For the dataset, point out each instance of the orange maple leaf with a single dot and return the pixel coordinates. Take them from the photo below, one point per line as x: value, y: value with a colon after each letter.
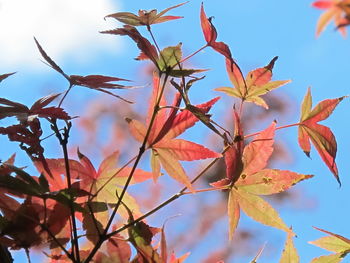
x: 248, y: 177
x: 166, y: 150
x: 320, y: 135
x: 336, y: 10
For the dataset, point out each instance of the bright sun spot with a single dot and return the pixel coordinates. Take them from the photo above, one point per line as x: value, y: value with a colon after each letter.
x: 65, y: 28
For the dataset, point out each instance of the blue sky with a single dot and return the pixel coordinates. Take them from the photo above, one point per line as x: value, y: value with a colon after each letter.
x: 255, y: 30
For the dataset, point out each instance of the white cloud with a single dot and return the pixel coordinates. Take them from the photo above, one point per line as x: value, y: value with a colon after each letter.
x: 65, y: 28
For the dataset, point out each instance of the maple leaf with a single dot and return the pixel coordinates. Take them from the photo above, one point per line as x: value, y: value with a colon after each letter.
x: 320, y: 135
x: 28, y: 131
x: 210, y: 35
x: 166, y: 150
x: 141, y: 235
x: 254, y: 180
x: 96, y: 82
x: 164, y: 251
x: 21, y: 224
x: 166, y: 61
x: 118, y: 250
x: 26, y: 115
x: 289, y: 254
x: 148, y: 50
x: 257, y: 83
x: 100, y: 82
x: 106, y: 182
x: 337, y: 10
x: 145, y: 18
x: 334, y: 243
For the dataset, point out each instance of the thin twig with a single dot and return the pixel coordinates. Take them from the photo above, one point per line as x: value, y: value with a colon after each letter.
x: 63, y: 139
x: 194, y: 53
x: 65, y: 94
x: 277, y: 128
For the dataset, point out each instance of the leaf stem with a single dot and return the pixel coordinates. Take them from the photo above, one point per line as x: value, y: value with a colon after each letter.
x: 277, y: 128
x: 194, y: 53
x: 156, y: 44
x: 27, y: 254
x: 208, y: 190
x: 65, y: 94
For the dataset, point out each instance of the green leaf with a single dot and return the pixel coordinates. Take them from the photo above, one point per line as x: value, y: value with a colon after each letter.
x: 306, y: 105
x: 169, y: 57
x: 44, y: 183
x: 184, y: 72
x: 127, y: 18
x: 140, y: 235
x: 97, y: 207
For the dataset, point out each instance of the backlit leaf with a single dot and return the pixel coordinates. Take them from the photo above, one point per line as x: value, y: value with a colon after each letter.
x: 49, y: 60
x: 257, y: 83
x: 334, y: 258
x: 172, y: 166
x: 322, y: 4
x: 335, y: 243
x: 145, y: 18
x: 186, y: 150
x: 118, y: 249
x: 257, y: 153
x: 142, y: 43
x: 233, y: 211
x: 270, y: 181
x: 140, y: 235
x: 93, y: 228
x: 169, y: 57
x: 289, y: 254
x: 259, y: 210
x: 346, y: 240
x: 331, y: 243
x: 210, y: 36
x: 155, y: 165
x: 108, y: 181
x: 337, y: 11
x: 168, y: 124
x: 24, y: 114
x: 321, y: 136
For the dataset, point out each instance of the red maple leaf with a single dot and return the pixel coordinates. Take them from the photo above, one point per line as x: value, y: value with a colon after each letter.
x: 166, y: 150
x: 320, y: 135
